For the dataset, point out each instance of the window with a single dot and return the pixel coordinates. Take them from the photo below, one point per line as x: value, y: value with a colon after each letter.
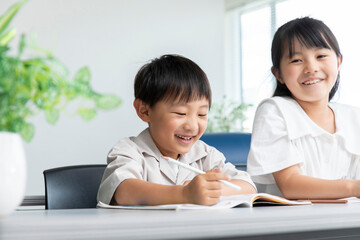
x: 250, y: 29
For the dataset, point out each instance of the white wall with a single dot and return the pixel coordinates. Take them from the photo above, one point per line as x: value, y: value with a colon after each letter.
x: 114, y: 38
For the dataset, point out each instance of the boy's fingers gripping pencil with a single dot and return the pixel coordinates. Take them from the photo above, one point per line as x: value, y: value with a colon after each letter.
x: 229, y: 184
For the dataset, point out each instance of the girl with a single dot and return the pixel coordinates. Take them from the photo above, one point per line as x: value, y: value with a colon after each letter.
x: 172, y: 95
x: 302, y: 144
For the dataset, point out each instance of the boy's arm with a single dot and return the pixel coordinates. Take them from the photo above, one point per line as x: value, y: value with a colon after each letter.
x: 246, y: 187
x: 204, y: 189
x: 294, y: 185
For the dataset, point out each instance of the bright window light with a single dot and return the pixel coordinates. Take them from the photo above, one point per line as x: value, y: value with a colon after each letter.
x: 254, y: 35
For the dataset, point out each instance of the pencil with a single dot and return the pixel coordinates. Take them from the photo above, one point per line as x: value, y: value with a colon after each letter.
x: 227, y: 183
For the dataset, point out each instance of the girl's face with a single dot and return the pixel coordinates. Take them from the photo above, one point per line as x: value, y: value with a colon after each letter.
x: 175, y: 126
x: 310, y: 73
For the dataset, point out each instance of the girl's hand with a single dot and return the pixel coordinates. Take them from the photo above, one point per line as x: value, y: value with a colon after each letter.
x: 204, y: 189
x: 186, y: 182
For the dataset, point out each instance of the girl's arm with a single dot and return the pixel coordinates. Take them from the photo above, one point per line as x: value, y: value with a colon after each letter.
x: 246, y: 188
x: 294, y: 185
x: 204, y: 189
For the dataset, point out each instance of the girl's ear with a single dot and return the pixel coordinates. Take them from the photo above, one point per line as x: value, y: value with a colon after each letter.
x: 276, y: 73
x: 340, y: 59
x: 142, y: 109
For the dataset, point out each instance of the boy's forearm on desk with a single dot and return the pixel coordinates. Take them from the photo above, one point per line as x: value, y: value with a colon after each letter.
x: 147, y: 193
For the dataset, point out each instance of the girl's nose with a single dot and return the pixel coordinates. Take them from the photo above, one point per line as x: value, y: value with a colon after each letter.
x: 311, y: 66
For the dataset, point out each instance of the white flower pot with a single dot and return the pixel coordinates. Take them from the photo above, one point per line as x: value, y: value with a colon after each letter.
x: 12, y: 172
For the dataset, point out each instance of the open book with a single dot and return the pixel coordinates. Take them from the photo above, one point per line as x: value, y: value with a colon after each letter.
x: 243, y: 200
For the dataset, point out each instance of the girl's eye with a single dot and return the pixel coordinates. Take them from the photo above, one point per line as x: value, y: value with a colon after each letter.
x: 202, y: 115
x: 295, y: 61
x: 180, y: 114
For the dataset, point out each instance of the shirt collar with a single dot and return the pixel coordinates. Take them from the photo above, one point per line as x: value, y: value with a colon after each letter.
x: 297, y: 121
x: 299, y: 124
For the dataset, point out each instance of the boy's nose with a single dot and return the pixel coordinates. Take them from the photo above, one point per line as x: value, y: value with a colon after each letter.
x: 191, y: 124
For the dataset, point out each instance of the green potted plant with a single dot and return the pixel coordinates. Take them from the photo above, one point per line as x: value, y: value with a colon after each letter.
x: 30, y: 86
x: 227, y: 116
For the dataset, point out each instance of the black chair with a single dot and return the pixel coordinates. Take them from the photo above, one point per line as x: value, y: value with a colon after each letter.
x: 72, y: 186
x: 235, y: 146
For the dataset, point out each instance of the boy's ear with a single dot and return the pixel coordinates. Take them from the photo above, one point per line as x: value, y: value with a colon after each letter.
x: 276, y: 73
x: 142, y: 109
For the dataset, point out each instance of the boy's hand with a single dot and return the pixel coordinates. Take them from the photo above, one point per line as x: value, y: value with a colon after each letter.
x: 205, y: 189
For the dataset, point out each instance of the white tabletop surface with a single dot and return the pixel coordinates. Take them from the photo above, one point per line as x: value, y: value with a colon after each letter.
x: 183, y: 224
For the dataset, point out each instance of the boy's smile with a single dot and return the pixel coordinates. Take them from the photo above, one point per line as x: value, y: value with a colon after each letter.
x: 176, y: 126
x: 184, y: 139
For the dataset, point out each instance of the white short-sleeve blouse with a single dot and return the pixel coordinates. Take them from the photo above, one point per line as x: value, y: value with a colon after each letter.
x: 283, y: 135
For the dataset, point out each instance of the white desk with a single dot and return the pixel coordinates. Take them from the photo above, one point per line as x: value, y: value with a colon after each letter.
x: 295, y: 222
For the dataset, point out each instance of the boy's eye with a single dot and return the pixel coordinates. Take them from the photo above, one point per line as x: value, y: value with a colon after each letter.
x: 180, y: 114
x: 321, y: 56
x: 202, y: 115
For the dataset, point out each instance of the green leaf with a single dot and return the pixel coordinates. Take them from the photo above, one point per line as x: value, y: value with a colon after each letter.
x: 87, y: 113
x: 6, y: 38
x: 52, y: 116
x: 41, y: 84
x: 22, y: 45
x: 107, y: 102
x: 9, y: 14
x: 27, y: 132
x: 83, y: 76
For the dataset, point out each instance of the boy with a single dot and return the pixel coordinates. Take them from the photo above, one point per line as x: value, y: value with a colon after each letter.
x: 173, y: 95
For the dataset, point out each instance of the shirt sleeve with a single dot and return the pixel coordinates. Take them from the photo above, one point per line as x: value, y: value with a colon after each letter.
x: 124, y: 162
x: 271, y: 149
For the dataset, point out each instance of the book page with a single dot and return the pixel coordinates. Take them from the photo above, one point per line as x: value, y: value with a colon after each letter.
x: 263, y: 198
x: 226, y: 202
x: 222, y: 204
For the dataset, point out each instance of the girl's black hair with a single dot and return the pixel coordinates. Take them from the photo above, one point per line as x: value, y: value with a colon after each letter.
x: 171, y: 78
x: 310, y: 33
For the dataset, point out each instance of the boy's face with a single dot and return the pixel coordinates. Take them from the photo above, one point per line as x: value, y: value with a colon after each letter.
x: 175, y: 126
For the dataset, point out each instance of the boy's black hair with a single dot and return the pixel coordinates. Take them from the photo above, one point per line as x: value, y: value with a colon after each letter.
x: 310, y: 33
x: 171, y: 78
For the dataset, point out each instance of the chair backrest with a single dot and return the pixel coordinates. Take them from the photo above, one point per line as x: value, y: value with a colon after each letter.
x: 72, y: 186
x: 235, y: 146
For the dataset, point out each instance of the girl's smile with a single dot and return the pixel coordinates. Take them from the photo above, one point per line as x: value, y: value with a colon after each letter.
x: 312, y: 81
x: 309, y: 73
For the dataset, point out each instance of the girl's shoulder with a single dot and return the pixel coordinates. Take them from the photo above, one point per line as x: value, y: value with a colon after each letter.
x: 280, y: 102
x: 347, y: 120
x: 285, y: 114
x: 345, y: 110
x: 286, y: 107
